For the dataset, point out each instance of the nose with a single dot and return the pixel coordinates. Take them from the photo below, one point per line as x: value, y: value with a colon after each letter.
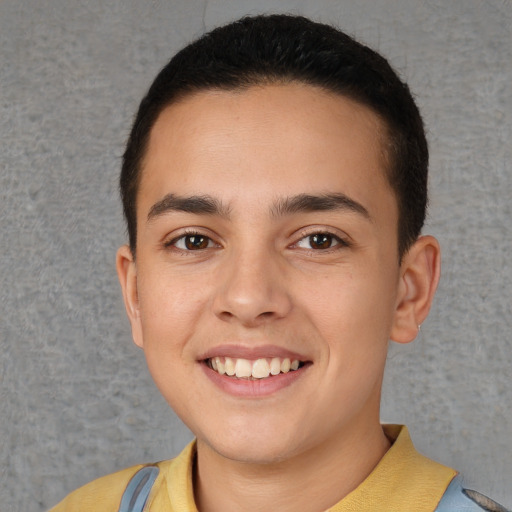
x: 252, y: 289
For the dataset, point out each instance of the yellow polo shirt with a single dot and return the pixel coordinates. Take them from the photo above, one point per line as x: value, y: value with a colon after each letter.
x: 401, y: 480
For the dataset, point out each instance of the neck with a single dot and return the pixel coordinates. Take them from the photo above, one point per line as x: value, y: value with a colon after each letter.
x: 313, y: 481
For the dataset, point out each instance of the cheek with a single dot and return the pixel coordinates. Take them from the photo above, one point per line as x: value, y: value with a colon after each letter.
x: 170, y: 308
x: 169, y: 315
x: 353, y: 316
x: 170, y: 293
x: 346, y: 303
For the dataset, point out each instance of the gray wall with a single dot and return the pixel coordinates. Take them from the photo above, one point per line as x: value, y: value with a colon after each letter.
x: 76, y: 400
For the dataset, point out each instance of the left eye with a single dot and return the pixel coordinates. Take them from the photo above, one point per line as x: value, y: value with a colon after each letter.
x: 193, y: 242
x: 319, y: 241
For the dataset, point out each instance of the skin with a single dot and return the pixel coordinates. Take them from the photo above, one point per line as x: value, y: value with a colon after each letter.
x: 258, y: 279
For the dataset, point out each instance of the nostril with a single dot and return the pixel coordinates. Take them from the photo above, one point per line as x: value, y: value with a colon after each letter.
x: 249, y: 320
x: 225, y: 315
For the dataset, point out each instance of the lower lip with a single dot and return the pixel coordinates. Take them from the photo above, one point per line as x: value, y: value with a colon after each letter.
x: 254, y: 388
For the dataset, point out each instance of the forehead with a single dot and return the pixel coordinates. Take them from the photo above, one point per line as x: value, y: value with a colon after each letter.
x: 292, y: 137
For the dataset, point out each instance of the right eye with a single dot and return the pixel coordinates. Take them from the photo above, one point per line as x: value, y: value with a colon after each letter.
x: 192, y: 242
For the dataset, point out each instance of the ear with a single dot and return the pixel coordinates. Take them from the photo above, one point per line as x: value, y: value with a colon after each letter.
x: 419, y: 274
x: 127, y: 273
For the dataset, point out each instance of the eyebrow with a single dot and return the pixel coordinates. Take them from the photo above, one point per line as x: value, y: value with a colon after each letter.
x: 301, y: 203
x: 199, y: 205
x: 304, y: 203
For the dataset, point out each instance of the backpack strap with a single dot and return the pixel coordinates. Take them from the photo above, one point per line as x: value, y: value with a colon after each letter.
x: 138, y: 489
x: 458, y: 499
x: 455, y: 498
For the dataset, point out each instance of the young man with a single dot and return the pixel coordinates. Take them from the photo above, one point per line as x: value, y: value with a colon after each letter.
x: 274, y: 186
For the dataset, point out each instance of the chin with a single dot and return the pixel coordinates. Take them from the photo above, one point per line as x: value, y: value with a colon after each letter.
x: 255, y: 446
x: 253, y: 453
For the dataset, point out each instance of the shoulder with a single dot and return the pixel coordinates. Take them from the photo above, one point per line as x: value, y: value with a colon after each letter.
x: 103, y: 494
x: 457, y: 498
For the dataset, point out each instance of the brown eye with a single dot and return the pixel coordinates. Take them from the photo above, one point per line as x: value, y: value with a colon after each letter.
x: 321, y: 241
x: 192, y: 242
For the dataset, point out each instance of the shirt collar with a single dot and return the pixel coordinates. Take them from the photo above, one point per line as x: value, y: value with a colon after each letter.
x: 402, y: 478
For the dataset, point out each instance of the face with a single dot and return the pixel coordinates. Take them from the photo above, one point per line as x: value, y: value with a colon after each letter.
x: 267, y: 247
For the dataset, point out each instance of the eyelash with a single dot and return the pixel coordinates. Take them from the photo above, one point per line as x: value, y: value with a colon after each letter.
x: 340, y: 242
x: 172, y: 244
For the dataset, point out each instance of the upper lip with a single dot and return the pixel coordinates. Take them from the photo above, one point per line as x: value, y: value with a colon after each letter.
x: 252, y: 353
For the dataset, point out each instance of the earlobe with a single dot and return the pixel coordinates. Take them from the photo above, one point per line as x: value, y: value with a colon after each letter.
x: 127, y: 274
x: 419, y: 276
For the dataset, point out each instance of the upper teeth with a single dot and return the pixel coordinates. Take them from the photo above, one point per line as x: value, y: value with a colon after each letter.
x: 259, y: 369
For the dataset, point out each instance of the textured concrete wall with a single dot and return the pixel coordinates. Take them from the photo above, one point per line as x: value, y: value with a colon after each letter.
x: 76, y: 400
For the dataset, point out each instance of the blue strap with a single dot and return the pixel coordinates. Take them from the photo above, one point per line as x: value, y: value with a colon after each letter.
x: 455, y: 498
x: 458, y: 499
x: 138, y: 489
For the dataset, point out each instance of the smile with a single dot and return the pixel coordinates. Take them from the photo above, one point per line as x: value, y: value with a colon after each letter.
x: 261, y: 368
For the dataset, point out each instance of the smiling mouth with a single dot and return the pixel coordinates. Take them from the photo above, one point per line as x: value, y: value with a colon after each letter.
x: 258, y: 369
